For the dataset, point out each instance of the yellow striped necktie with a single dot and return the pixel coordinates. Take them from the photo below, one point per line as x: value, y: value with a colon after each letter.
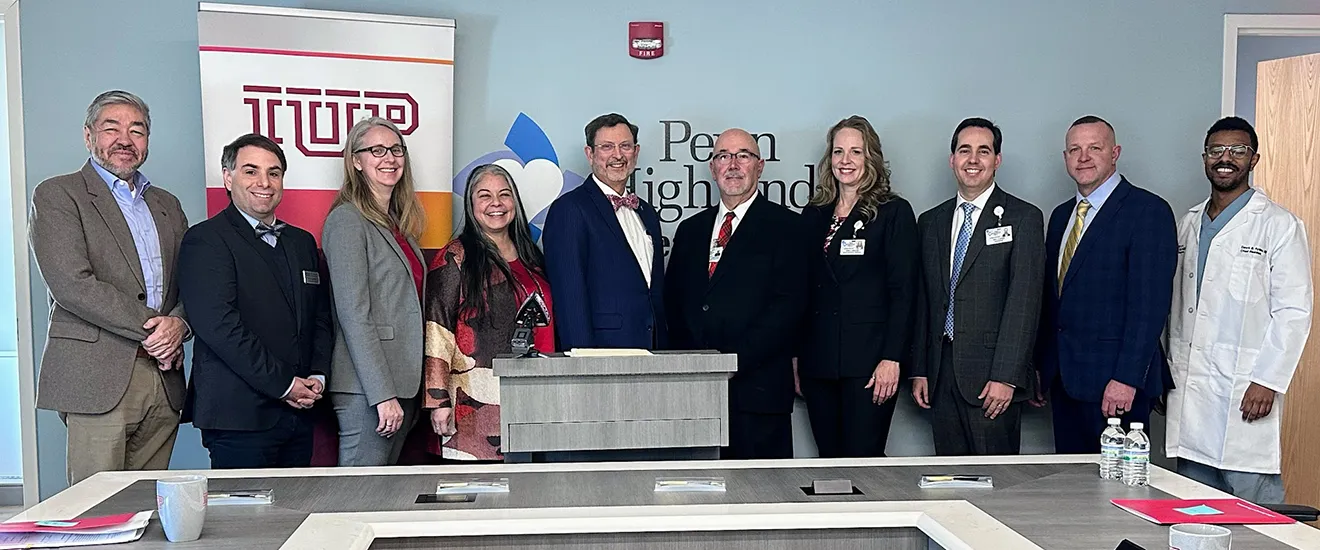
x: 1073, y: 237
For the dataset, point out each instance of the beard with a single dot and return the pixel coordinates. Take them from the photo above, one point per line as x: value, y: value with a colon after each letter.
x: 1239, y: 180
x: 120, y: 170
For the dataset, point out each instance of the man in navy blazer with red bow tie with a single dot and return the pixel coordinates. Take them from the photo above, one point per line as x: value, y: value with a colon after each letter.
x: 603, y: 251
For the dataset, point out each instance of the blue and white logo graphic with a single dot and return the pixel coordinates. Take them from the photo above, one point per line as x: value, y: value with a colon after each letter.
x: 534, y: 165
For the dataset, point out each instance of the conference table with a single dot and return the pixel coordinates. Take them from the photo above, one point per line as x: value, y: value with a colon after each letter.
x: 1045, y: 501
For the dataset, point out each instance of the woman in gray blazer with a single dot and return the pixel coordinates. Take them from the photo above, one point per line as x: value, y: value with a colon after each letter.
x: 376, y: 276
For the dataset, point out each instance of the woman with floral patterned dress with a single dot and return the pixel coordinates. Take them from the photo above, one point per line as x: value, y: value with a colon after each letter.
x: 475, y: 288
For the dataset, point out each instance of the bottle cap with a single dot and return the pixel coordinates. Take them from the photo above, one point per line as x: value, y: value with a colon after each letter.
x: 1138, y: 425
x: 1115, y: 421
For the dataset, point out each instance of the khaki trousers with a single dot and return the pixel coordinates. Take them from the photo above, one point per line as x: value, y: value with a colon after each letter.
x: 138, y: 434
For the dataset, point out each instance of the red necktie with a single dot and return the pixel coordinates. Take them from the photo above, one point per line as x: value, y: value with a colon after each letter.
x: 726, y: 231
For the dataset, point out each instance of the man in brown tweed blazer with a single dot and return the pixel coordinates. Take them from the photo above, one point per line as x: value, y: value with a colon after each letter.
x: 105, y: 240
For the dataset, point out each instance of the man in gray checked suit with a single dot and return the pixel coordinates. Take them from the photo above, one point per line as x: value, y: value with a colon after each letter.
x: 974, y: 337
x: 105, y: 240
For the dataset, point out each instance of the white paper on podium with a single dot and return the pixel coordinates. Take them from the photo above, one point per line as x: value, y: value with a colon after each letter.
x: 606, y: 352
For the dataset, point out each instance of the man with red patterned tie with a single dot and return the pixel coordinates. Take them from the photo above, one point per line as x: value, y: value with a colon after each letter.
x: 735, y: 284
x: 603, y: 251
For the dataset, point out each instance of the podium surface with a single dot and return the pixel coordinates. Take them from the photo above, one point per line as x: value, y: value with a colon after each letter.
x: 627, y: 402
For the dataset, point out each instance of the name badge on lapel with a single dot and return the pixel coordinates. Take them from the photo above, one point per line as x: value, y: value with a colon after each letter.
x: 852, y: 247
x: 311, y: 277
x: 716, y: 253
x: 999, y: 235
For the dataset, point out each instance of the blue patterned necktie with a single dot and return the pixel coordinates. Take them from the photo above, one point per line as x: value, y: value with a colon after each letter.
x: 959, y: 251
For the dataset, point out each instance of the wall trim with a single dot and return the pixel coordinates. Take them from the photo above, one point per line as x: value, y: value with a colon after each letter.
x: 27, y: 386
x: 1237, y: 24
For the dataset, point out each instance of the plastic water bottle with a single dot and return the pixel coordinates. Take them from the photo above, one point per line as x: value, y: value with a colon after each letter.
x: 1136, y: 457
x: 1112, y: 442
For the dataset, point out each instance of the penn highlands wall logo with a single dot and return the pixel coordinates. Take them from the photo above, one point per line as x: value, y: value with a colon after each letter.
x: 531, y: 159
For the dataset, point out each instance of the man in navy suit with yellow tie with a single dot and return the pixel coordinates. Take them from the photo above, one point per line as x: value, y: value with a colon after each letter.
x: 263, y: 325
x: 1111, y: 253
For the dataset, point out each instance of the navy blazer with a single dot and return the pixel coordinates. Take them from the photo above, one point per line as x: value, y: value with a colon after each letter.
x: 1106, y: 323
x: 252, y: 337
x: 601, y: 297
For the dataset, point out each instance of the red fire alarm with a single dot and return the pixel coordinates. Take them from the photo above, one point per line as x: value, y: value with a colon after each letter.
x: 646, y: 39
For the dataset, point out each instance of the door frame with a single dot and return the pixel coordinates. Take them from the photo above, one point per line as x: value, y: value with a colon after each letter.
x: 22, y: 272
x: 1237, y: 24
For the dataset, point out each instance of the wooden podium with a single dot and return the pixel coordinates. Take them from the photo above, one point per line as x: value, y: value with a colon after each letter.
x: 648, y: 406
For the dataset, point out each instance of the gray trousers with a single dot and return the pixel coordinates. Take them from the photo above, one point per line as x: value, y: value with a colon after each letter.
x: 359, y: 444
x: 1257, y: 488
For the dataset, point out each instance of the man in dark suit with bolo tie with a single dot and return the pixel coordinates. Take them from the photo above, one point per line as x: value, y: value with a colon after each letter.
x: 735, y: 283
x: 983, y: 260
x: 263, y: 326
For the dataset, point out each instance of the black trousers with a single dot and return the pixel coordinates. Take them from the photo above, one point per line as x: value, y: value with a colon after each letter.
x: 755, y: 435
x: 287, y: 444
x: 961, y: 428
x: 1077, y: 424
x: 844, y: 421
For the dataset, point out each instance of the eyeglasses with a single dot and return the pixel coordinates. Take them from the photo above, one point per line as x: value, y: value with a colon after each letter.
x: 1238, y: 151
x: 379, y: 150
x: 609, y: 148
x: 744, y: 156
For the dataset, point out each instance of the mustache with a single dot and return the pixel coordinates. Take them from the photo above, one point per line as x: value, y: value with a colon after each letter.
x: 1219, y: 165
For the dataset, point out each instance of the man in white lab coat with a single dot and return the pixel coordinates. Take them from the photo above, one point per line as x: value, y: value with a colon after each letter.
x: 1240, y: 317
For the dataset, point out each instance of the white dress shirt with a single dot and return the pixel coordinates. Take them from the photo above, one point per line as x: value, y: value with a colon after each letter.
x: 1097, y: 199
x: 978, y: 206
x: 634, y: 232
x: 739, y: 212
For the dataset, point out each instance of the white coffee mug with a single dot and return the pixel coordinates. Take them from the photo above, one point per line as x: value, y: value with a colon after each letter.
x: 1195, y: 536
x: 181, y: 502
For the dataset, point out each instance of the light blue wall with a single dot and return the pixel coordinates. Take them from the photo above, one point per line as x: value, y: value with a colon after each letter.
x: 792, y: 68
x: 1253, y: 50
x: 11, y: 448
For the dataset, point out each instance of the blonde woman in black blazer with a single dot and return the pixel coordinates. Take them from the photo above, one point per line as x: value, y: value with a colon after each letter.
x: 862, y: 295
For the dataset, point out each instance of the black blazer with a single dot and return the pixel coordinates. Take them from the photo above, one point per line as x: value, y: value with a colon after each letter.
x: 997, y: 310
x: 753, y: 304
x: 252, y: 337
x: 861, y: 307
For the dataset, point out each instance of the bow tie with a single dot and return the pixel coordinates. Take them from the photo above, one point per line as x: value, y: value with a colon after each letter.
x: 263, y: 229
x: 629, y: 200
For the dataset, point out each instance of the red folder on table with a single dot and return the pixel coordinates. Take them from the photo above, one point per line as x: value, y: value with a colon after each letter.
x: 1217, y: 511
x: 106, y: 523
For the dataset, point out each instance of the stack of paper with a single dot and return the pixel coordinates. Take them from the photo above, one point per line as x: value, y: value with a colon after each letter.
x: 606, y: 352
x: 75, y: 532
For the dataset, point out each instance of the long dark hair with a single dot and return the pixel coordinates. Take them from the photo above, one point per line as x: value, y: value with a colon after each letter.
x: 480, y: 255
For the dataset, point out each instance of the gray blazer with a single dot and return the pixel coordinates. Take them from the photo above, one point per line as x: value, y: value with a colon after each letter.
x: 378, y: 316
x: 998, y: 298
x: 98, y: 300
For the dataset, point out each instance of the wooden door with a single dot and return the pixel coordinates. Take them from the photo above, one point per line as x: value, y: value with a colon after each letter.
x: 1288, y: 122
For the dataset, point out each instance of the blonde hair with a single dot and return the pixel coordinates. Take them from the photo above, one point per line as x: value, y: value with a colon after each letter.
x: 873, y: 190
x: 405, y: 212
